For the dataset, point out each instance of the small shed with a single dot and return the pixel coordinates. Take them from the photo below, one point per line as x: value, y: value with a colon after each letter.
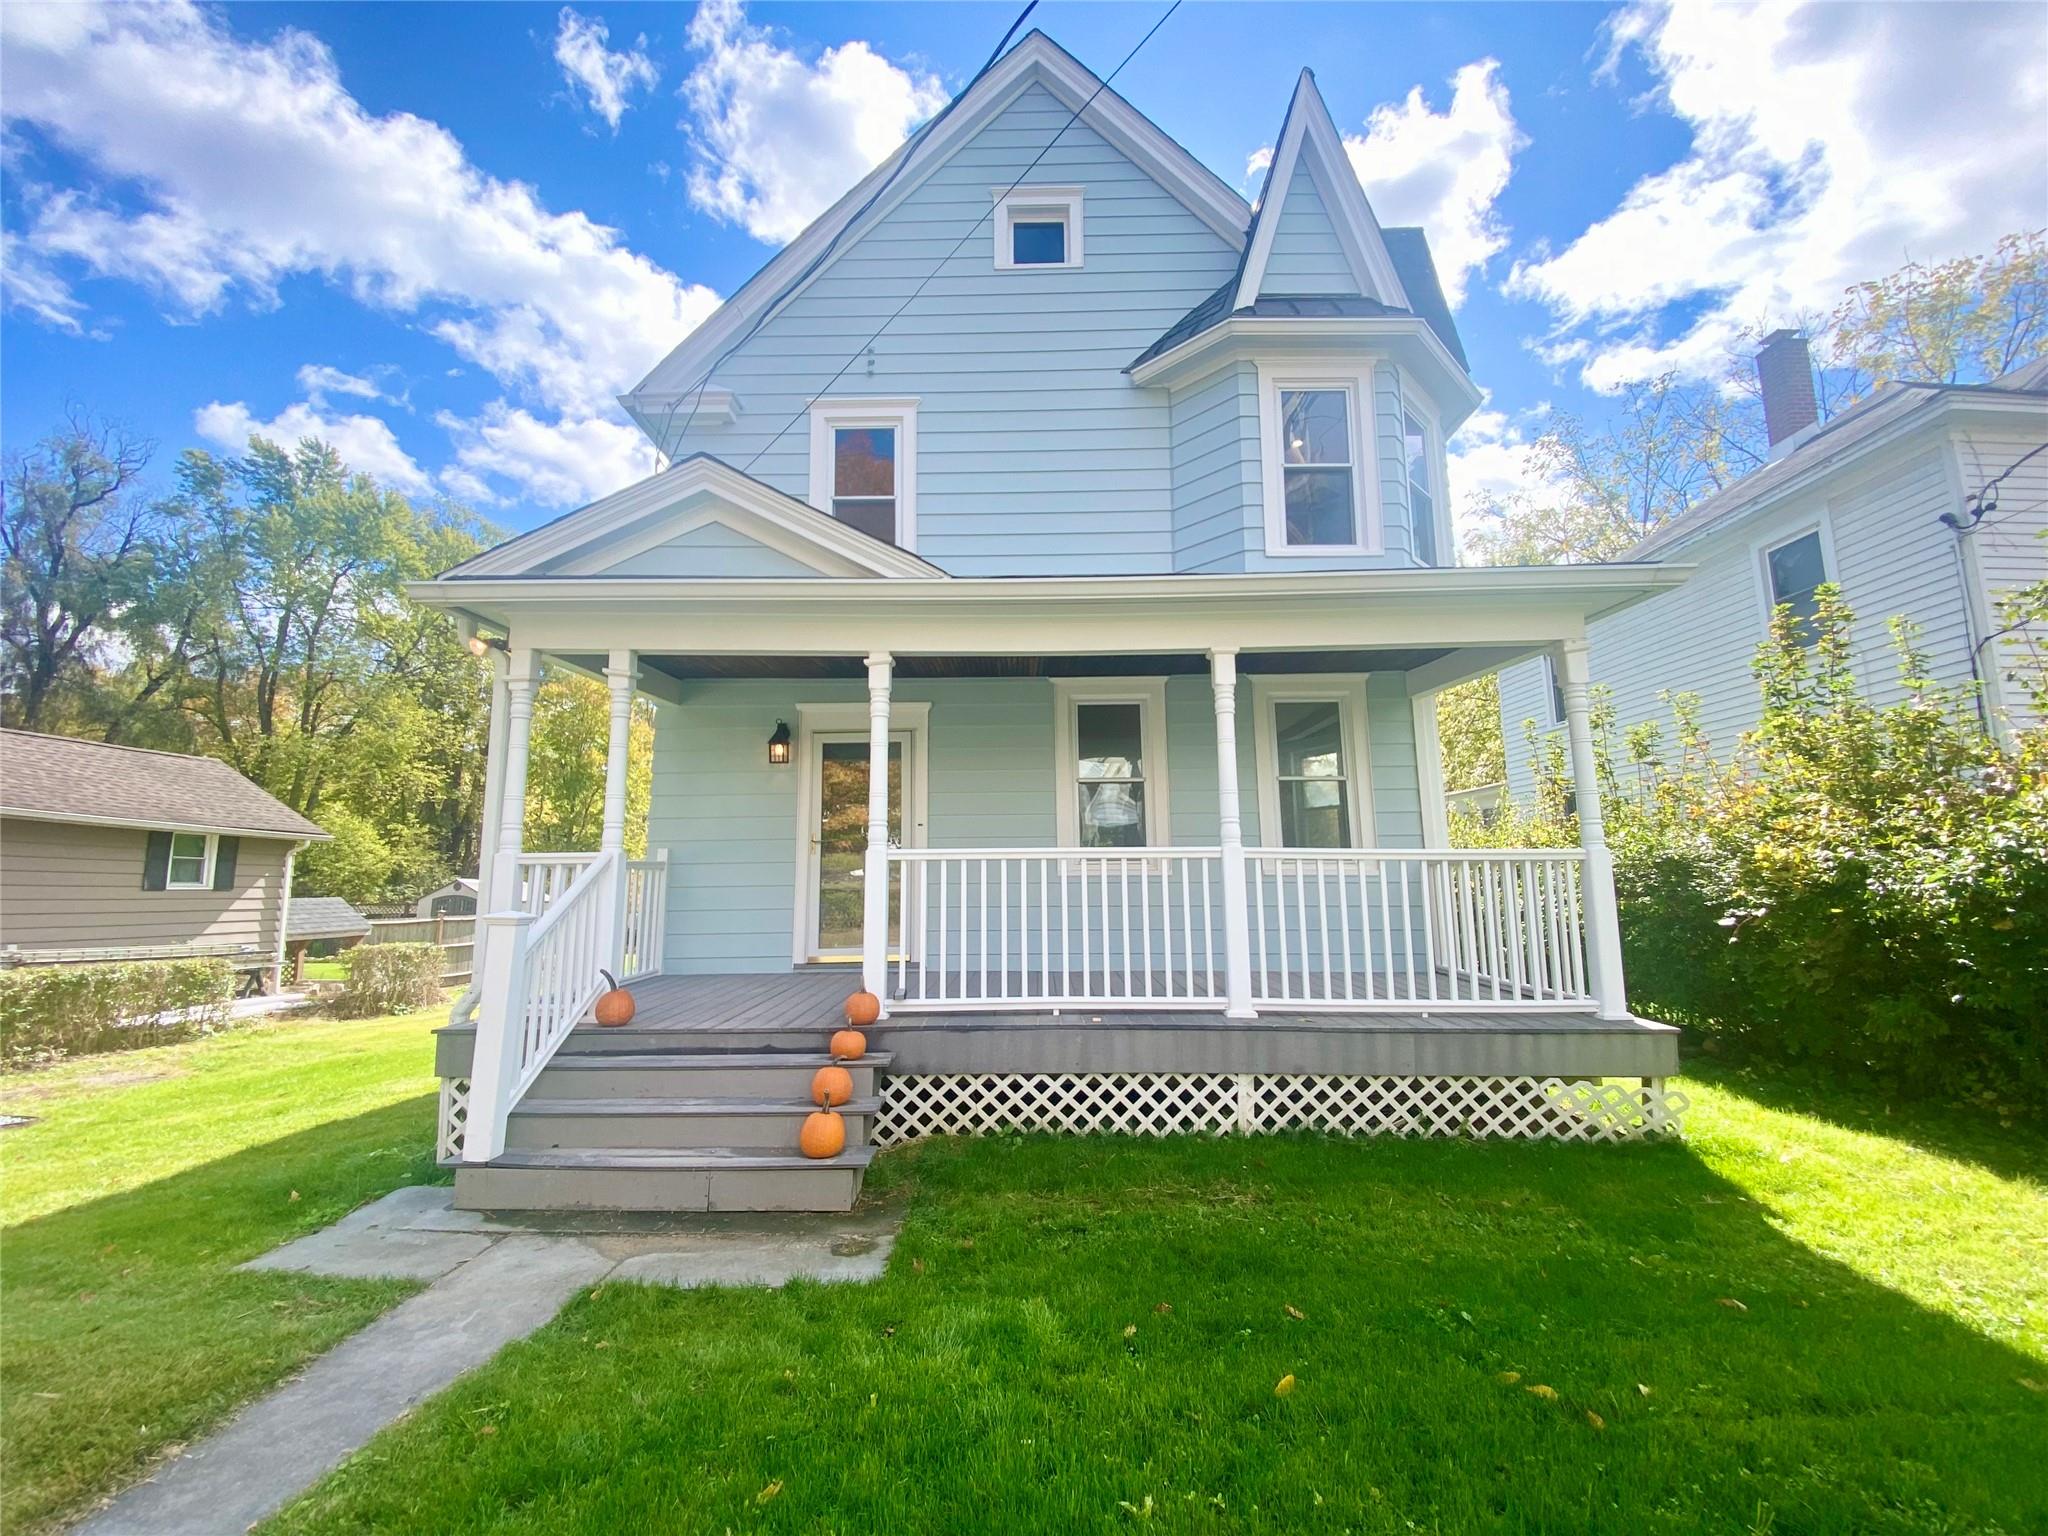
x: 313, y: 920
x: 455, y: 899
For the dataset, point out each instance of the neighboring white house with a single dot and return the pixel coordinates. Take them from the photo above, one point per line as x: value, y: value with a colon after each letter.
x: 1924, y: 501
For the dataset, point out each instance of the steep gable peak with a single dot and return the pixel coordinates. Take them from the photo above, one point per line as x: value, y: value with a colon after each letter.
x: 1312, y: 192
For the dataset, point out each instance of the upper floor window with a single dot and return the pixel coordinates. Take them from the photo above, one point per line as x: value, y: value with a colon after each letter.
x: 1315, y: 448
x: 1037, y: 227
x: 1553, y: 690
x: 1422, y: 500
x: 864, y: 466
x: 1794, y: 572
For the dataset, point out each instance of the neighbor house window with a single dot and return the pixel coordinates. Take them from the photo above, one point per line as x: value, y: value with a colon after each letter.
x: 864, y: 466
x: 191, y: 867
x: 1318, y: 498
x: 1421, y: 487
x: 1311, y: 755
x: 1112, y: 764
x: 1553, y: 691
x: 1037, y: 227
x: 1795, y: 571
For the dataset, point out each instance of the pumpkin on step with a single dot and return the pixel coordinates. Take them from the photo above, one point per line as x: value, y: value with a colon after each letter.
x: 614, y: 1007
x: 848, y: 1045
x: 831, y: 1085
x: 823, y: 1135
x: 862, y: 1009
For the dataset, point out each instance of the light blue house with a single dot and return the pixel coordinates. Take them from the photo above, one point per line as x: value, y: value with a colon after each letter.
x: 1043, y: 610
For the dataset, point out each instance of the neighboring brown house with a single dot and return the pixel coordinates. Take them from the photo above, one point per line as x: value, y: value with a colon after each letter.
x: 116, y: 853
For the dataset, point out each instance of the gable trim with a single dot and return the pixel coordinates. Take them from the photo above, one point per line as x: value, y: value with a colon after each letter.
x: 802, y: 533
x: 1309, y: 130
x: 1036, y: 60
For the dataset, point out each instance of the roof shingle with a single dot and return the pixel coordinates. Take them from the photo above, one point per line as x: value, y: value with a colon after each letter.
x: 63, y: 779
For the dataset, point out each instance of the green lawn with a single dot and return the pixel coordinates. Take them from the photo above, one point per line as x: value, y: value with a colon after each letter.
x: 145, y: 1178
x: 335, y: 969
x: 1789, y: 1323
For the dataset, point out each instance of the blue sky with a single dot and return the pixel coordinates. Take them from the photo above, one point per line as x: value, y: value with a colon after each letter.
x: 444, y: 236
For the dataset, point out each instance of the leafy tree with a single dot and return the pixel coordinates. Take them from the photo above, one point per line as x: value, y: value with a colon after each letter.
x: 1955, y: 322
x: 565, y: 766
x: 1468, y: 724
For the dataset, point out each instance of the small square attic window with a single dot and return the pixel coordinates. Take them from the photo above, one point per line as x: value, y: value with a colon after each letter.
x: 1037, y: 228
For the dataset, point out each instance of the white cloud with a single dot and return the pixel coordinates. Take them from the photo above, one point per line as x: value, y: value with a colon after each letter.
x: 1444, y: 171
x: 365, y: 443
x: 319, y: 381
x: 1255, y: 165
x: 27, y: 282
x: 1488, y: 457
x: 777, y: 139
x: 604, y: 79
x: 1831, y: 143
x: 561, y: 463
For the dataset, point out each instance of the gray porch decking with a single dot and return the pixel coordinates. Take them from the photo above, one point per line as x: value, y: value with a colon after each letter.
x: 791, y: 1007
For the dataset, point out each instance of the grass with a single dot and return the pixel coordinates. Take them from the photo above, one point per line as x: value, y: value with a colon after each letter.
x: 326, y: 970
x: 144, y: 1179
x: 1793, y: 1322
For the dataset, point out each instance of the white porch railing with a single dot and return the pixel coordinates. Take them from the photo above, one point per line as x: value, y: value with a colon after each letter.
x: 541, y: 976
x: 1393, y: 928
x: 1031, y: 927
x: 543, y: 877
x: 645, y: 918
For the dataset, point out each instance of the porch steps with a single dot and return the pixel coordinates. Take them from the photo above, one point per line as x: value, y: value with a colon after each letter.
x: 676, y: 1120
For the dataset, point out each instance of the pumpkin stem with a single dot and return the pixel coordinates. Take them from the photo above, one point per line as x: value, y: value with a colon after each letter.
x: 610, y: 980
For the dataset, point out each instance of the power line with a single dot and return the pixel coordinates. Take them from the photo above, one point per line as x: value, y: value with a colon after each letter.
x: 696, y: 391
x: 925, y: 282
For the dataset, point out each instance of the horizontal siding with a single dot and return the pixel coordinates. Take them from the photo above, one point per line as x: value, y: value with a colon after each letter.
x: 1306, y: 256
x: 73, y: 887
x: 2011, y: 544
x: 1217, y: 494
x: 712, y: 550
x: 728, y: 820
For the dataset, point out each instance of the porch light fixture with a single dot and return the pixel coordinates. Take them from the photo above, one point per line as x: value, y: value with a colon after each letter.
x: 483, y: 645
x: 778, y: 744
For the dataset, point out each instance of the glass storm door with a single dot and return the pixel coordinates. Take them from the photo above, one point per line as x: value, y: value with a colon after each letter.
x: 840, y: 839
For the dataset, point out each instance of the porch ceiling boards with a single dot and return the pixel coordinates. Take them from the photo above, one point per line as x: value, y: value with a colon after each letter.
x: 1257, y: 663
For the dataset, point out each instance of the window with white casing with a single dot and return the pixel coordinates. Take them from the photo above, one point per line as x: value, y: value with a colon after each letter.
x: 1037, y: 228
x: 864, y: 466
x: 1110, y: 740
x: 1314, y: 791
x: 1553, y: 691
x: 1794, y: 570
x: 191, y: 866
x: 1418, y: 448
x: 1316, y: 451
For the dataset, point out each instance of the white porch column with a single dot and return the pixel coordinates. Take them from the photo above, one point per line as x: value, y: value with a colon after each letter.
x: 1237, y: 944
x: 620, y: 676
x: 1603, y: 923
x: 521, y: 675
x: 502, y: 924
x: 487, y: 823
x: 874, y: 947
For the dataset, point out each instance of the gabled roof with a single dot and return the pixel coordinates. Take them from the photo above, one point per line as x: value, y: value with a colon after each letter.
x: 1867, y: 424
x: 1036, y: 60
x: 751, y: 506
x: 1310, y: 145
x: 60, y: 778
x: 323, y: 917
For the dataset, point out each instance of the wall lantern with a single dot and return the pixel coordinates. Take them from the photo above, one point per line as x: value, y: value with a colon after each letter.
x: 483, y: 645
x: 778, y: 744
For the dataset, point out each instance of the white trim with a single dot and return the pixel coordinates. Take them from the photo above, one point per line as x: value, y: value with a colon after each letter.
x: 1036, y: 60
x: 206, y: 863
x: 1429, y: 772
x: 1762, y: 547
x: 1149, y: 694
x: 1309, y: 129
x: 850, y: 719
x: 1243, y: 337
x: 1414, y: 404
x: 831, y: 413
x: 75, y: 819
x: 1554, y: 712
x: 1034, y: 204
x: 1357, y: 383
x: 1347, y: 691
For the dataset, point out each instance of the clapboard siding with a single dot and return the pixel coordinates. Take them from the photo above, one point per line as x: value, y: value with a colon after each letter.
x: 712, y: 550
x: 2011, y: 546
x: 728, y: 820
x: 1306, y: 255
x: 75, y: 887
x: 1218, y: 512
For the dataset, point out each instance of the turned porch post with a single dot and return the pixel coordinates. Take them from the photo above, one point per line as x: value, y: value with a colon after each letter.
x: 493, y: 813
x: 874, y: 947
x: 505, y: 920
x: 1596, y: 889
x: 619, y: 676
x: 1237, y: 945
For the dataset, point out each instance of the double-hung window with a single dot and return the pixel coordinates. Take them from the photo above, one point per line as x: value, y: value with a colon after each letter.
x: 864, y: 466
x: 1422, y: 500
x: 1112, y: 764
x: 1311, y: 762
x: 1794, y: 572
x: 1316, y: 449
x: 191, y: 867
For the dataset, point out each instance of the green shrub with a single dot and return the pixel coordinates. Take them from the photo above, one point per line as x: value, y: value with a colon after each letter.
x: 52, y: 1011
x: 390, y: 978
x: 1863, y: 886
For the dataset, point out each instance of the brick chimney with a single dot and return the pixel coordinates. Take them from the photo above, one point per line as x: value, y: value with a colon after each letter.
x: 1785, y: 369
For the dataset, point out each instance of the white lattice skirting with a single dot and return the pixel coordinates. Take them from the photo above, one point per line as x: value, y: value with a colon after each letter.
x: 454, y: 1116
x: 1173, y: 1103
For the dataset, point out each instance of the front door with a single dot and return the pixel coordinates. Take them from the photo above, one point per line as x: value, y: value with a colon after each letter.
x: 839, y: 841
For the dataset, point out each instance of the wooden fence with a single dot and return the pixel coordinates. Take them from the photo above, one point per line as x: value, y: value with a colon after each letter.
x: 455, y: 936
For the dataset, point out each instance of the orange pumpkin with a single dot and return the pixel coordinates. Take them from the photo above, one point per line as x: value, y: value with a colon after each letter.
x: 849, y: 1045
x: 614, y: 1007
x: 831, y: 1085
x: 862, y: 1009
x: 823, y: 1135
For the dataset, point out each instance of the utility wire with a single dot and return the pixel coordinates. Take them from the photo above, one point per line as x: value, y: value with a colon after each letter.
x: 696, y: 391
x: 1073, y: 118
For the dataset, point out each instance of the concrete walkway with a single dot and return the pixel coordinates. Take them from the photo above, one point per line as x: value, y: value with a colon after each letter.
x: 494, y: 1280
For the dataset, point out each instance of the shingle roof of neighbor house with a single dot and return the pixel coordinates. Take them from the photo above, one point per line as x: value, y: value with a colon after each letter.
x: 323, y: 917
x: 59, y: 778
